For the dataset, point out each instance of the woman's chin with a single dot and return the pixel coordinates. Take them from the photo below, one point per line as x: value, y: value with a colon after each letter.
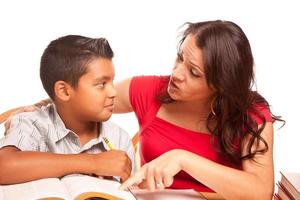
x: 173, y: 95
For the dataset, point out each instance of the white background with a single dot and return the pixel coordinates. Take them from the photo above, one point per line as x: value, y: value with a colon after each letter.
x: 143, y: 35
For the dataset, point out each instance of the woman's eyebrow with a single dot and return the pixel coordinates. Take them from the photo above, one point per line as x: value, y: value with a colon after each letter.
x: 196, y: 66
x: 190, y: 62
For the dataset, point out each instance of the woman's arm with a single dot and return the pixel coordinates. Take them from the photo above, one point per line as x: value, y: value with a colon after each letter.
x: 122, y: 101
x: 22, y: 166
x: 254, y: 181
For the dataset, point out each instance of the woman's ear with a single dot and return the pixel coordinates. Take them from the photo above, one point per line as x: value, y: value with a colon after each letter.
x: 62, y: 90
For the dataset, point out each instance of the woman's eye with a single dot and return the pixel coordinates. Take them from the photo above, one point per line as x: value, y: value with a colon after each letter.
x: 195, y: 73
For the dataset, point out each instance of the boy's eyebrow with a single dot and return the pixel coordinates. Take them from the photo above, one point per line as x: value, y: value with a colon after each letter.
x: 101, y: 78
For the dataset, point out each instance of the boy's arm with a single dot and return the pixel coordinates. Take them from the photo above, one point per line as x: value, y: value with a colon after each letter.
x: 21, y: 166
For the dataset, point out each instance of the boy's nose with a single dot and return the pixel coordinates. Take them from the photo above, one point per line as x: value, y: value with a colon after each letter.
x: 112, y: 92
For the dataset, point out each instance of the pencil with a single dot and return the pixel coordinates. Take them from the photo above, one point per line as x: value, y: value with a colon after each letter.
x: 110, y: 146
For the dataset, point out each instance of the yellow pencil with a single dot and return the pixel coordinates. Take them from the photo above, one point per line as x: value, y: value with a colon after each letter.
x: 110, y: 146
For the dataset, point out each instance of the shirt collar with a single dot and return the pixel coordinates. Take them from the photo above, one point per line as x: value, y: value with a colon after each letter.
x: 62, y: 131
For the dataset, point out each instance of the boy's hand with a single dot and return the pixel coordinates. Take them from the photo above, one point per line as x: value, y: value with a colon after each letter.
x: 113, y: 163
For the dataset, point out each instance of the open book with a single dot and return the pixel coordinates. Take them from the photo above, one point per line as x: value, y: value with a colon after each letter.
x: 78, y: 187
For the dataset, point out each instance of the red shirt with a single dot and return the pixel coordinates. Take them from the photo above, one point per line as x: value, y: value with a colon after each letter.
x: 158, y: 136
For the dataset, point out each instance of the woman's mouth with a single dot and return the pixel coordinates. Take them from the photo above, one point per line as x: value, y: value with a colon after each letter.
x: 172, y: 85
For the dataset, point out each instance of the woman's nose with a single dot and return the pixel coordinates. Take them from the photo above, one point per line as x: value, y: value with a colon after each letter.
x: 178, y: 73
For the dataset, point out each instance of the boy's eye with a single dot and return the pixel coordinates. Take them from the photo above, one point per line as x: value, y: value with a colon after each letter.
x: 101, y: 85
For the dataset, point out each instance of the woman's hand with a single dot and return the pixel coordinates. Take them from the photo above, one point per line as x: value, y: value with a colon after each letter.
x: 158, y: 173
x: 24, y: 109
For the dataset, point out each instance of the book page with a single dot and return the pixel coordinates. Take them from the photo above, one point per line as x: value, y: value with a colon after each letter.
x: 38, y: 189
x: 291, y: 183
x: 293, y: 179
x: 94, y: 187
x: 1, y: 193
x: 168, y: 194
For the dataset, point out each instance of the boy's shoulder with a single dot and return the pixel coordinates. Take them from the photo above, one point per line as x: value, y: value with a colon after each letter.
x: 114, y: 132
x: 30, y: 130
x: 109, y: 127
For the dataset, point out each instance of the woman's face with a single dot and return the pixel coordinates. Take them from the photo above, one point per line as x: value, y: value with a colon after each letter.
x: 188, y: 82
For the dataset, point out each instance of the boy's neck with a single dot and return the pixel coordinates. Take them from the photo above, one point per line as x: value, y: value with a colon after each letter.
x: 84, y: 129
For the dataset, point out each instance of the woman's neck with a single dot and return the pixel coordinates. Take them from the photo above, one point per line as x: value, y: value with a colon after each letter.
x: 186, y: 114
x: 200, y: 110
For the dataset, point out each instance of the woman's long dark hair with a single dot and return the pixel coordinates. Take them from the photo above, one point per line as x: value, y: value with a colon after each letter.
x: 228, y: 66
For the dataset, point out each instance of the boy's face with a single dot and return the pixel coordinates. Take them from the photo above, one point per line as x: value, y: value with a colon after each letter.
x: 93, y: 98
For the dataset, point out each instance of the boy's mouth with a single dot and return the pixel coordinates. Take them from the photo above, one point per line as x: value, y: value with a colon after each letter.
x: 110, y: 106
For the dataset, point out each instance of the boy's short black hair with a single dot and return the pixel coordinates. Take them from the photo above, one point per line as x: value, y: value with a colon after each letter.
x: 66, y: 59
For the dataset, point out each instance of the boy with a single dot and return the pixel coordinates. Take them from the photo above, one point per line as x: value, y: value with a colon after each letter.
x: 67, y: 136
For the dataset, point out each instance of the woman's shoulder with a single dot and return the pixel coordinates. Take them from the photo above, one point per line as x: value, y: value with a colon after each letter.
x: 147, y: 86
x: 149, y: 80
x: 260, y: 111
x: 143, y: 94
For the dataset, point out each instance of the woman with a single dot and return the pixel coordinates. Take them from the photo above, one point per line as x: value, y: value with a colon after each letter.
x: 203, y: 127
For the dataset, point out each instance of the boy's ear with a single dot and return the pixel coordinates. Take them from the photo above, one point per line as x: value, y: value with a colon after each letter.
x: 62, y: 90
